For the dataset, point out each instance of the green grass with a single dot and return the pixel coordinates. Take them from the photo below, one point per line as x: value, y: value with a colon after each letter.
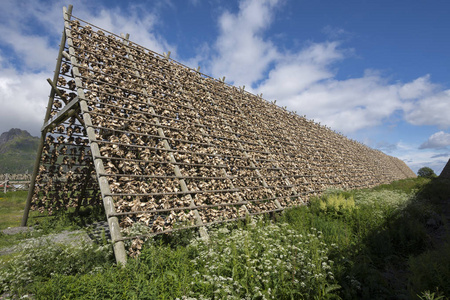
x: 11, y: 208
x: 12, y: 205
x: 430, y: 271
x: 409, y: 185
x: 366, y: 244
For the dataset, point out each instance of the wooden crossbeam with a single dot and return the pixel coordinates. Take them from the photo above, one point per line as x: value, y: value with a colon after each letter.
x: 68, y: 111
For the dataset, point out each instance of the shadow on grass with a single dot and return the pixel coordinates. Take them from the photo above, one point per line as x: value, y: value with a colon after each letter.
x: 402, y: 257
x: 382, y: 245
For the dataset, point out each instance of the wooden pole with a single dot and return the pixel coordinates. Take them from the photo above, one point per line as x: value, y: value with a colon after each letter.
x: 113, y: 222
x: 177, y: 171
x: 5, y: 184
x: 43, y: 133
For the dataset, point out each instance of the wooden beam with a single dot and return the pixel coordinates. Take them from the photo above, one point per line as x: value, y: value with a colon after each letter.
x: 47, y: 116
x: 177, y: 171
x: 108, y: 203
x: 68, y: 111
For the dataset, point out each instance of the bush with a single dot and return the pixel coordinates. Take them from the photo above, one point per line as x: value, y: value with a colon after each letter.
x: 272, y: 262
x: 343, y: 245
x: 266, y: 261
x: 41, y: 259
x: 430, y: 271
x: 334, y: 203
x: 426, y: 172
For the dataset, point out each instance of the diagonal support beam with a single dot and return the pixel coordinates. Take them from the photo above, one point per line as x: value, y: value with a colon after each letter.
x: 68, y: 111
x: 63, y: 98
x: 177, y: 171
x: 47, y: 116
x: 108, y: 203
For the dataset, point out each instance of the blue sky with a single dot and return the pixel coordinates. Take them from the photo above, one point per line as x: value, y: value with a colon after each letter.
x: 376, y: 71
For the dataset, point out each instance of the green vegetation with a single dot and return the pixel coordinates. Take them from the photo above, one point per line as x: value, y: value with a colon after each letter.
x: 426, y: 172
x: 18, y: 151
x: 381, y: 243
x: 11, y: 208
x: 11, y: 213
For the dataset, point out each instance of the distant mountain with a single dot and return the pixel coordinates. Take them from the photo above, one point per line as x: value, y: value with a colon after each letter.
x: 18, y: 151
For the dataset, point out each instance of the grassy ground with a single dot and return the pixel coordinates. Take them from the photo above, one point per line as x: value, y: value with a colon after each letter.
x: 11, y: 208
x: 391, y: 242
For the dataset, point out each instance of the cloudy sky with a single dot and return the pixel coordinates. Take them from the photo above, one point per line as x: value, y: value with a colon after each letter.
x: 377, y: 71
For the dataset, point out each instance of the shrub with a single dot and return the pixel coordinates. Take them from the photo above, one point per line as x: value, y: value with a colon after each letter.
x: 344, y: 244
x: 335, y: 203
x: 430, y: 271
x: 263, y: 261
x: 426, y: 172
x: 271, y: 262
x: 41, y: 259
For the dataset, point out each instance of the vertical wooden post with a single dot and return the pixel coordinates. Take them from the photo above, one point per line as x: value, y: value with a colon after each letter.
x: 177, y: 171
x: 223, y: 171
x: 277, y: 203
x: 251, y: 160
x: 6, y: 183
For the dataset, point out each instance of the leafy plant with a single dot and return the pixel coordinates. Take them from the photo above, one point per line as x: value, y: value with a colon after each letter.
x: 41, y: 259
x: 427, y: 295
x: 271, y: 261
x: 426, y: 172
x: 334, y: 203
x: 430, y: 270
x: 342, y: 245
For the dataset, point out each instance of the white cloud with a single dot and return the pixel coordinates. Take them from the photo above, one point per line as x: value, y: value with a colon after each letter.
x: 139, y: 26
x: 306, y: 81
x: 31, y: 32
x: 28, y: 29
x: 431, y: 110
x: 308, y: 85
x: 416, y: 159
x: 321, y: 54
x: 23, y: 100
x: 200, y: 59
x: 335, y: 32
x: 419, y: 159
x: 292, y: 74
x: 34, y: 51
x: 417, y: 88
x: 439, y: 139
x: 242, y: 53
x: 33, y: 29
x: 344, y: 105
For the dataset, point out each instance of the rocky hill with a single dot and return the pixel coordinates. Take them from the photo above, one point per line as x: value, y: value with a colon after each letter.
x: 17, y: 151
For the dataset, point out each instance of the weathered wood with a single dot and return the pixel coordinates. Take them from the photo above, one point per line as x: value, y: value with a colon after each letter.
x: 68, y: 111
x: 47, y: 116
x: 203, y: 206
x: 5, y: 184
x: 166, y: 140
x: 172, y: 159
x: 202, y: 225
x: 118, y: 245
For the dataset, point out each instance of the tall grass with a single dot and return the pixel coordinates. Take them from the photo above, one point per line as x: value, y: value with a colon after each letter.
x: 367, y: 244
x: 41, y: 259
x: 11, y: 208
x: 430, y: 271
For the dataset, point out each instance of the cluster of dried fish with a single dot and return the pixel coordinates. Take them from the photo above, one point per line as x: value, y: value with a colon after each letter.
x: 66, y: 177
x: 14, y: 177
x: 179, y: 148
